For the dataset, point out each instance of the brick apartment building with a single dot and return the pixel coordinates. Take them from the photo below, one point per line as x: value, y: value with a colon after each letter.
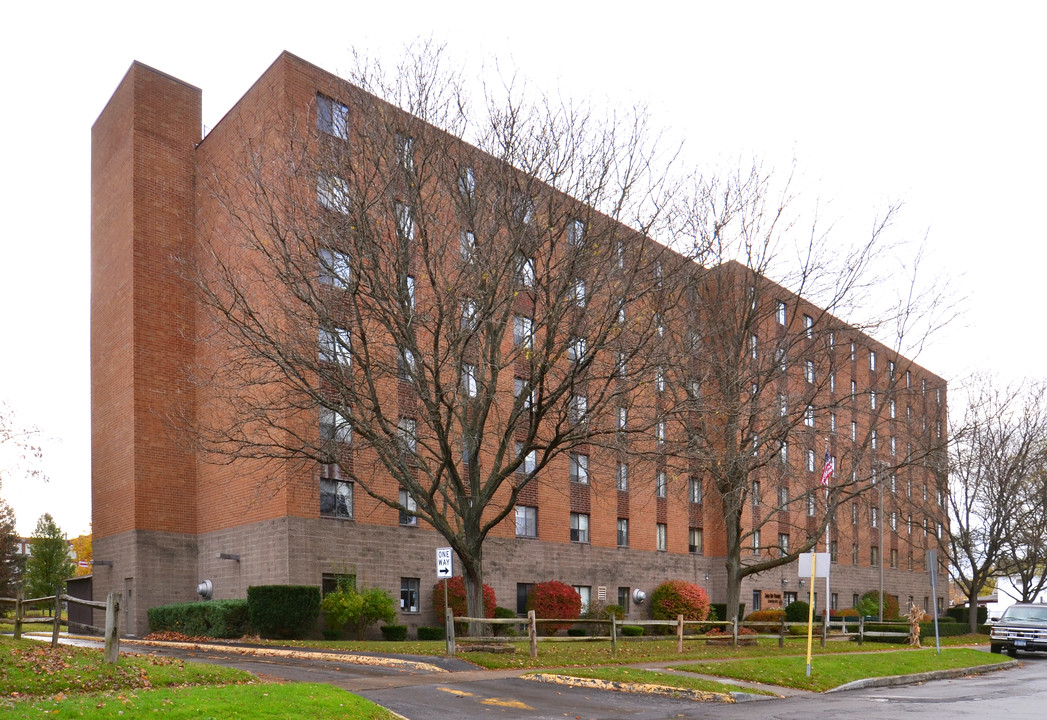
x: 166, y: 516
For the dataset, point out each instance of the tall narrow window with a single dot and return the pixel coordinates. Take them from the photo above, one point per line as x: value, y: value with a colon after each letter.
x: 334, y: 346
x: 407, y: 431
x: 579, y: 408
x: 808, y: 371
x: 405, y: 151
x: 662, y: 534
x: 576, y: 349
x: 336, y: 498
x: 526, y: 521
x: 524, y: 268
x: 808, y: 416
x: 579, y: 528
x: 409, y: 594
x: 623, y: 477
x: 623, y: 532
x: 334, y: 268
x: 407, y: 516
x: 575, y: 232
x: 469, y: 316
x: 579, y: 468
x: 872, y: 360
x: 334, y: 427
x: 404, y: 221
x: 808, y: 326
x: 578, y: 292
x: 779, y: 312
x: 660, y: 484
x: 695, y: 541
x: 469, y: 384
x: 467, y: 182
x: 659, y: 432
x: 810, y: 461
x: 467, y: 245
x: 523, y: 334
x: 695, y: 491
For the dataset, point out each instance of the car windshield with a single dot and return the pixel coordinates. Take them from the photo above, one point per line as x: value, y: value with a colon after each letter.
x: 1038, y: 614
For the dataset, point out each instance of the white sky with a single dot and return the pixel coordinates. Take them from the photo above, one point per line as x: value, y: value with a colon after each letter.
x: 937, y: 104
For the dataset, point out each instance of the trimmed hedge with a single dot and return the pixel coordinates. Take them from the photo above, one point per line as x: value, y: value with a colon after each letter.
x: 959, y: 613
x: 283, y: 611
x: 631, y: 630
x: 797, y: 611
x: 213, y: 618
x: 430, y: 633
x: 554, y: 600
x: 394, y: 632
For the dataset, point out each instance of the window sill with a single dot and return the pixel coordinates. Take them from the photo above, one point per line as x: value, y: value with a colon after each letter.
x: 350, y: 518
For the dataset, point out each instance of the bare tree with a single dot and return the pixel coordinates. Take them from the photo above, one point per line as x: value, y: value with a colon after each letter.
x: 763, y: 368
x: 433, y: 320
x: 997, y: 460
x: 19, y: 446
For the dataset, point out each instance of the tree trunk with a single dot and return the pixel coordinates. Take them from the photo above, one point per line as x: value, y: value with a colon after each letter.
x: 472, y: 572
x: 972, y: 612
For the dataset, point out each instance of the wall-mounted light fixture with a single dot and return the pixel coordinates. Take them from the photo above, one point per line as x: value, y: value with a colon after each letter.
x: 706, y: 577
x: 802, y: 582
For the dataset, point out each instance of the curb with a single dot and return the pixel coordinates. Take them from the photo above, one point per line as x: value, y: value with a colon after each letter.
x: 639, y: 688
x: 894, y: 680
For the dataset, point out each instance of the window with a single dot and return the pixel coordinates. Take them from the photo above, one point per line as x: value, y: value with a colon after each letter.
x: 660, y: 484
x: 789, y: 597
x: 832, y: 382
x: 909, y: 526
x: 526, y: 521
x: 757, y: 599
x: 808, y: 326
x: 579, y: 408
x: 695, y: 541
x: 467, y: 182
x: 576, y: 349
x: 781, y: 359
x: 405, y: 151
x: 623, y: 477
x: 334, y: 427
x: 892, y: 409
x: 585, y: 592
x: 467, y: 245
x: 854, y: 513
x: 783, y: 497
x: 621, y: 310
x: 854, y: 430
x: 874, y: 556
x: 874, y: 517
x: 332, y: 192
x: 623, y: 598
x: 336, y: 498
x: 623, y: 418
x: 329, y: 582
x: 523, y: 208
x: 872, y: 360
x: 469, y: 314
x: 409, y: 593
x: 520, y: 388
x: 334, y: 346
x: 407, y: 430
x: 755, y: 492
x: 854, y: 390
x: 332, y: 117
x: 854, y: 561
x: 756, y: 541
x: 834, y: 554
x: 410, y: 284
x: 808, y: 416
x: 908, y: 378
x: 524, y: 270
x: 404, y: 222
x: 334, y: 268
x: 810, y: 461
x: 893, y: 480
x: 808, y: 371
x: 894, y: 445
x: 523, y: 594
x: 854, y: 349
x: 528, y: 460
x: 872, y: 399
x: 659, y: 380
x: 779, y: 312
x: 832, y: 423
x: 621, y: 365
x: 407, y: 516
x: 753, y: 342
x: 578, y: 292
x: 579, y: 527
x: 783, y: 543
x: 834, y: 601
x: 579, y: 468
x: 662, y: 536
x: 405, y: 364
x: 832, y: 340
x: 623, y: 532
x: 783, y: 452
x: 694, y: 487
x: 872, y: 439
x: 523, y: 331
x: 659, y: 432
x: 575, y: 232
x: 890, y: 369
x: 812, y: 504
x: 894, y: 521
x: 469, y: 385
x: 783, y: 405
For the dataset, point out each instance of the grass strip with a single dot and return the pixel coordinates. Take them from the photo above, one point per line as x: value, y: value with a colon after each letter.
x: 655, y: 677
x: 829, y: 671
x: 32, y: 669
x: 261, y: 701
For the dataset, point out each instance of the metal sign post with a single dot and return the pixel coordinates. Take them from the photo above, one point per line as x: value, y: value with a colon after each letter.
x: 932, y: 564
x: 816, y: 565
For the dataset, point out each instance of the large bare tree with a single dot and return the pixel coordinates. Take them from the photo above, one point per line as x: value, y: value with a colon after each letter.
x: 997, y: 463
x: 764, y: 395
x: 432, y: 302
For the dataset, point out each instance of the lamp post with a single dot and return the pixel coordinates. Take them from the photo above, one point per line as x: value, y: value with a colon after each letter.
x: 880, y: 552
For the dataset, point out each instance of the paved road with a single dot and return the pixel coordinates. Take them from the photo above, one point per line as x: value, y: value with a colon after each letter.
x: 459, y: 691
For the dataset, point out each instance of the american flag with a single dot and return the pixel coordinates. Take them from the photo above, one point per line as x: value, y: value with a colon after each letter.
x: 827, y: 469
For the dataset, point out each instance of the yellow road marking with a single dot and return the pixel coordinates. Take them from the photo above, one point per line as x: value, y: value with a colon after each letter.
x: 507, y: 703
x: 459, y: 693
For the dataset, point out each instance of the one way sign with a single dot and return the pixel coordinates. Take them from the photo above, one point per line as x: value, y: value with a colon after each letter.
x: 443, y: 562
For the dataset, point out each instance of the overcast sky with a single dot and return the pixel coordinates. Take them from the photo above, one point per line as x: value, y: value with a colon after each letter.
x: 938, y: 105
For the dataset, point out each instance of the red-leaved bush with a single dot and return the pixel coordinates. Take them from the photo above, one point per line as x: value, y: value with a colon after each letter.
x: 678, y: 597
x: 554, y: 600
x: 456, y: 597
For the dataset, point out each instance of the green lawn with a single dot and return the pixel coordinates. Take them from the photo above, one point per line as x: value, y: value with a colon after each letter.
x: 263, y: 701
x: 74, y: 682
x: 829, y: 671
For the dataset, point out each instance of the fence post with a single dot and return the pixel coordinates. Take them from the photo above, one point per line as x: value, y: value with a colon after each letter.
x: 532, y: 634
x: 734, y: 631
x: 861, y: 630
x: 18, y: 615
x: 614, y: 635
x: 449, y: 629
x: 112, y: 629
x: 58, y: 617
x: 679, y: 634
x: 781, y: 632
